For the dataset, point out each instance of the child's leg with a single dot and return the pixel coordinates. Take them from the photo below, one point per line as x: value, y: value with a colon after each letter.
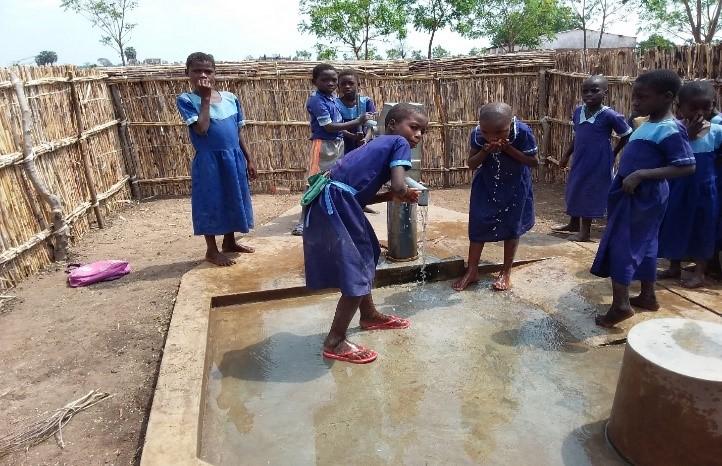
x: 372, y: 319
x: 503, y: 283
x: 213, y: 255
x: 674, y: 270
x: 647, y: 298
x: 230, y: 245
x: 336, y: 342
x: 572, y: 226
x: 298, y: 228
x: 697, y: 278
x: 472, y: 272
x: 620, y: 309
x: 584, y: 232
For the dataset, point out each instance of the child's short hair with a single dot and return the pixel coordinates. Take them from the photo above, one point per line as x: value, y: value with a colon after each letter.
x: 200, y: 57
x: 598, y: 78
x: 660, y: 81
x: 693, y: 89
x: 347, y: 72
x: 495, y: 112
x: 320, y: 68
x: 400, y: 112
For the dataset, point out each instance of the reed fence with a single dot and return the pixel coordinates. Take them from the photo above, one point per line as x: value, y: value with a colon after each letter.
x: 102, y: 137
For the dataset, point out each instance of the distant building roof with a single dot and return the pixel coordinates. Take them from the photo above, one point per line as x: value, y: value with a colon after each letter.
x: 574, y: 39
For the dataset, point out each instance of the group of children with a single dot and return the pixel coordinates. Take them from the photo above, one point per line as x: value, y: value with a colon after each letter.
x: 348, y: 170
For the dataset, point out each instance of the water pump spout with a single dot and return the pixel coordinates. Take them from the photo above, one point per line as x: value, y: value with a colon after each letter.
x: 424, y: 195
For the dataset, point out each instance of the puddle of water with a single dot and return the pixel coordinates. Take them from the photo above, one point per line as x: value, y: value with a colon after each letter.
x: 479, y: 378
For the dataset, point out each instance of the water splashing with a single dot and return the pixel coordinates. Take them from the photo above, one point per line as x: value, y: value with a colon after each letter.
x: 424, y: 217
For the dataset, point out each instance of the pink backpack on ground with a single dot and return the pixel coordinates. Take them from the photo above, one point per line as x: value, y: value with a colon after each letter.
x: 98, y: 272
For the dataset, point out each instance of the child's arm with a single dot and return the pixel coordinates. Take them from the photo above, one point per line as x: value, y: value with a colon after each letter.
x: 333, y: 127
x: 205, y: 90
x: 400, y: 192
x: 631, y: 181
x: 620, y: 145
x: 567, y: 155
x: 531, y: 161
x: 251, y: 167
x: 477, y: 157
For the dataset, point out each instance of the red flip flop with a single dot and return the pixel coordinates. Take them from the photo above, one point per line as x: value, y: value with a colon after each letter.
x: 352, y: 356
x: 395, y: 323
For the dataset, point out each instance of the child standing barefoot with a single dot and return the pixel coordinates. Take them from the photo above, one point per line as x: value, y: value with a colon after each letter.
x: 657, y: 150
x: 690, y: 222
x: 339, y: 245
x: 220, y: 195
x: 502, y: 202
x: 591, y: 173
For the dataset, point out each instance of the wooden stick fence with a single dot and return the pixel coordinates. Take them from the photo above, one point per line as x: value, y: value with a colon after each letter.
x: 102, y: 136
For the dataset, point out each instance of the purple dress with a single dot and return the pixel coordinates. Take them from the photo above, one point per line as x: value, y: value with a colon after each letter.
x: 690, y: 223
x: 591, y: 172
x: 628, y: 249
x: 502, y: 200
x: 340, y: 248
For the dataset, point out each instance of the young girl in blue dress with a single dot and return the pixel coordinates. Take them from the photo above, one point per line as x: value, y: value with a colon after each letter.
x: 657, y: 150
x: 690, y: 223
x: 591, y: 173
x: 339, y: 245
x: 352, y: 105
x: 502, y: 150
x: 220, y: 194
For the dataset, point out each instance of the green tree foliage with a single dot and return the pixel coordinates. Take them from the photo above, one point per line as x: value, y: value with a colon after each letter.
x: 302, y: 55
x: 130, y: 53
x: 324, y: 52
x: 104, y: 62
x: 110, y: 17
x: 476, y: 51
x: 417, y: 55
x: 356, y: 24
x: 439, y: 52
x: 430, y: 16
x: 698, y: 20
x: 514, y: 23
x: 655, y: 41
x: 46, y: 57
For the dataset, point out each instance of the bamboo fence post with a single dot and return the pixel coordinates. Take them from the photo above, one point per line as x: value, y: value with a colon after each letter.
x: 83, y: 146
x: 542, y: 110
x: 60, y: 227
x: 445, y: 139
x: 130, y: 156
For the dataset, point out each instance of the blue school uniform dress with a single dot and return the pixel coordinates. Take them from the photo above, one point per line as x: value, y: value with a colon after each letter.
x: 339, y: 245
x: 363, y: 104
x: 220, y: 194
x: 628, y: 249
x: 326, y: 146
x: 592, y: 165
x: 689, y: 228
x: 502, y: 200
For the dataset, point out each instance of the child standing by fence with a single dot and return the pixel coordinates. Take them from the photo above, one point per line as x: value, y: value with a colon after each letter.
x: 220, y: 194
x: 340, y: 247
x: 326, y: 126
x: 690, y: 223
x: 352, y: 105
x: 591, y: 174
x: 657, y: 150
x: 502, y: 150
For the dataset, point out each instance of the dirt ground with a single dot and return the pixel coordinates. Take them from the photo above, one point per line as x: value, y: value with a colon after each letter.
x: 59, y: 343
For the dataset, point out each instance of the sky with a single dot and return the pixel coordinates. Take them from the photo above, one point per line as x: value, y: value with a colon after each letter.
x: 171, y: 29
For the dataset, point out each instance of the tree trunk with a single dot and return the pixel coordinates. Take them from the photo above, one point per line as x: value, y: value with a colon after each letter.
x: 601, y: 31
x: 431, y: 43
x: 60, y: 227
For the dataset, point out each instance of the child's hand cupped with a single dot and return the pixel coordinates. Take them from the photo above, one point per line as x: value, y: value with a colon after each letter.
x: 410, y: 195
x: 694, y: 126
x: 205, y: 88
x: 630, y: 182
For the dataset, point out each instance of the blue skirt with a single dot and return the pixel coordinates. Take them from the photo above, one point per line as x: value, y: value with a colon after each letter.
x: 220, y: 194
x: 628, y: 249
x: 340, y: 248
x: 589, y: 181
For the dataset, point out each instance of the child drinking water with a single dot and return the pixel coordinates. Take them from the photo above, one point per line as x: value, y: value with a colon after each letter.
x: 591, y: 173
x: 326, y: 126
x: 339, y: 245
x: 220, y: 195
x: 657, y: 150
x: 690, y: 222
x: 502, y: 202
x: 352, y: 105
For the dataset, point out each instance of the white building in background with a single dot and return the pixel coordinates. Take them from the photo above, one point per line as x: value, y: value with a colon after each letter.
x: 574, y: 39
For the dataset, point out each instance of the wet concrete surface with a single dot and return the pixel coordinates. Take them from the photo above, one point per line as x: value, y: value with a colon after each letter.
x: 479, y: 378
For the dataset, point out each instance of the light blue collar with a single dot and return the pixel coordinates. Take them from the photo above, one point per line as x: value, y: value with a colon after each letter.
x: 583, y: 115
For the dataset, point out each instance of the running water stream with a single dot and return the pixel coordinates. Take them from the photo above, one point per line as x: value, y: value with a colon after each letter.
x: 424, y: 217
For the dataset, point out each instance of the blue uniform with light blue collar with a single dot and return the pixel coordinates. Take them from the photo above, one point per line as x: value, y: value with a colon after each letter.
x: 363, y: 104
x: 339, y: 244
x: 322, y: 110
x: 628, y: 249
x: 689, y: 229
x: 502, y: 200
x: 220, y: 194
x: 591, y: 173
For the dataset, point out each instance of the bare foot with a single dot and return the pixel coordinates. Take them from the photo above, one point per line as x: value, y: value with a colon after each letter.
x: 503, y: 283
x: 569, y: 227
x: 235, y: 247
x: 613, y: 317
x: 219, y: 259
x: 644, y: 302
x: 580, y: 237
x: 694, y: 282
x: 669, y: 273
x: 470, y: 277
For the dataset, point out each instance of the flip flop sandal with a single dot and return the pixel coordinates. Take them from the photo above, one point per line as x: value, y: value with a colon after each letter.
x: 353, y: 355
x: 395, y: 323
